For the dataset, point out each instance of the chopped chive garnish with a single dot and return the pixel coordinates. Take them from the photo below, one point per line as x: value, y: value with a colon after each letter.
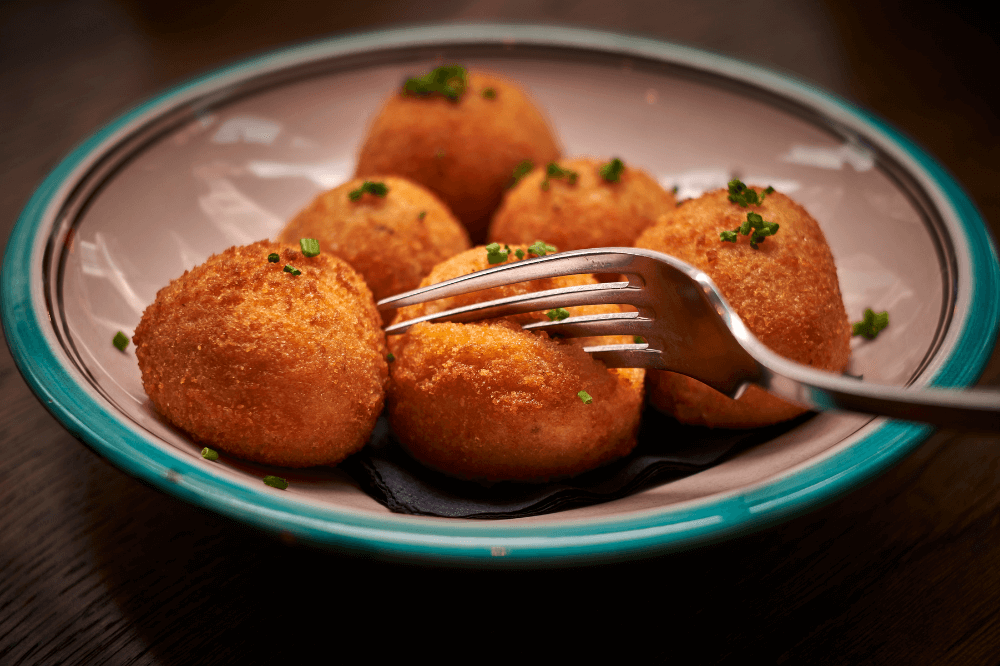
x: 495, y: 255
x: 391, y: 357
x: 540, y: 248
x: 274, y: 257
x: 745, y: 196
x: 522, y: 169
x: 760, y: 227
x: 292, y: 270
x: 209, y: 454
x: 871, y: 324
x: 378, y: 189
x: 310, y: 246
x: 585, y: 397
x: 490, y: 93
x: 558, y: 314
x: 638, y: 339
x: 553, y: 170
x: 120, y: 341
x: 449, y: 81
x: 275, y: 482
x: 612, y: 171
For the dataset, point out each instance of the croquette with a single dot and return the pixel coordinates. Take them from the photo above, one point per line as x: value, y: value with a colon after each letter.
x: 267, y: 355
x: 393, y: 238
x: 490, y: 401
x: 785, y: 290
x: 463, y: 148
x: 581, y: 208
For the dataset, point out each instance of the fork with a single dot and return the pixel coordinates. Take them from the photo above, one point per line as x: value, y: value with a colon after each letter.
x: 688, y: 328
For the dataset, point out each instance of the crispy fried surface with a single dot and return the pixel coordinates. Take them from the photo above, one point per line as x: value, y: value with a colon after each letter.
x: 393, y: 241
x: 786, y: 292
x: 463, y: 151
x: 590, y: 213
x: 268, y: 366
x: 490, y: 401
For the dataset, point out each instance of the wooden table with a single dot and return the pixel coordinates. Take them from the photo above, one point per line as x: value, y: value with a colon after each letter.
x: 95, y: 567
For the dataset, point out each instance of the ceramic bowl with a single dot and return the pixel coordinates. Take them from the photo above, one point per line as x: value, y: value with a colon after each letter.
x: 227, y: 158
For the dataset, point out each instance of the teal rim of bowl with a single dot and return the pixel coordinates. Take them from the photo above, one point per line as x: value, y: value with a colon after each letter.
x: 478, y: 543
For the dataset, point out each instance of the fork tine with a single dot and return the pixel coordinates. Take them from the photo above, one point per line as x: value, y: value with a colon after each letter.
x: 586, y: 294
x: 603, y: 260
x: 628, y: 356
x: 617, y: 323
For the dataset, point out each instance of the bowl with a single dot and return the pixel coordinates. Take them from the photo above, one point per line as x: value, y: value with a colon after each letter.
x: 228, y: 157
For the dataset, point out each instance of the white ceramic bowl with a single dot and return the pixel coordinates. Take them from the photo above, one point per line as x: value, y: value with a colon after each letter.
x: 228, y: 157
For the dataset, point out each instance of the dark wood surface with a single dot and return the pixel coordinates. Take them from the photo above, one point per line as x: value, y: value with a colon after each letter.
x: 95, y: 567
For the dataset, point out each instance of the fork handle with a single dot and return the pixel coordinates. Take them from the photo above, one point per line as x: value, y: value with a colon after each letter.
x: 961, y: 409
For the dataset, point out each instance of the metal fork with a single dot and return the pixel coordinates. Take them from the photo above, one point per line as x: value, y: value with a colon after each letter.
x: 688, y: 328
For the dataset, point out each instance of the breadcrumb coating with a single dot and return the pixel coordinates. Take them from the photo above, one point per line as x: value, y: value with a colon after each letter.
x: 392, y: 240
x: 786, y: 291
x: 492, y: 402
x: 265, y: 365
x: 464, y: 151
x: 590, y: 213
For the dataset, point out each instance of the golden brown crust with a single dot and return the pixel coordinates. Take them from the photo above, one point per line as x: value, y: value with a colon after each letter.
x: 268, y: 366
x: 590, y: 213
x: 463, y: 151
x: 691, y: 402
x: 490, y: 401
x: 393, y: 241
x: 786, y: 292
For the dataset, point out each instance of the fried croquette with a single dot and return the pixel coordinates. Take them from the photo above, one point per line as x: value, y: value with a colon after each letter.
x: 582, y: 211
x: 463, y: 149
x: 393, y: 240
x: 491, y: 402
x: 264, y: 363
x: 786, y: 291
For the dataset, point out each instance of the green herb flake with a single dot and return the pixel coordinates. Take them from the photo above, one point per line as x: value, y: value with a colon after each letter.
x: 540, y: 248
x: 585, y: 397
x: 310, y: 246
x: 275, y: 482
x: 274, y: 257
x: 745, y: 196
x: 522, y: 169
x: 489, y: 93
x: 391, y: 357
x: 495, y: 255
x: 422, y: 215
x: 209, y: 454
x: 557, y: 314
x: 120, y: 341
x: 638, y: 339
x: 754, y: 226
x: 871, y: 323
x: 519, y: 253
x: 378, y: 189
x: 612, y: 171
x: 292, y: 270
x: 449, y: 81
x: 553, y: 170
